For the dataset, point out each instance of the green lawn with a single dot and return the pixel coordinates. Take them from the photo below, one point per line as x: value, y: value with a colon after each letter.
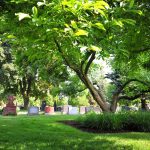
x: 44, y: 132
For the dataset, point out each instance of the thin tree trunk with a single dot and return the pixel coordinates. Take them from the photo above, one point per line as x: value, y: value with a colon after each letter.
x: 55, y: 106
x: 26, y: 102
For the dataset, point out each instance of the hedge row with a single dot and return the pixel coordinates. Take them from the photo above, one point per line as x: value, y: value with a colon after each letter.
x: 109, y: 122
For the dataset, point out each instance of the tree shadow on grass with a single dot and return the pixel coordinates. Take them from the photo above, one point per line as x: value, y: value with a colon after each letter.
x: 45, y: 135
x: 53, y: 136
x: 123, y: 135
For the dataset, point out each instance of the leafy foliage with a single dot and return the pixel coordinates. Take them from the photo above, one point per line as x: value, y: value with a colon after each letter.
x: 72, y: 34
x: 135, y: 121
x: 8, y: 70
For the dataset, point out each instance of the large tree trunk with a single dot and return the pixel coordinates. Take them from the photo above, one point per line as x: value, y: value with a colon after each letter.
x: 97, y: 95
x: 25, y: 89
x: 26, y: 102
x: 113, y: 106
x: 82, y: 72
x: 144, y: 106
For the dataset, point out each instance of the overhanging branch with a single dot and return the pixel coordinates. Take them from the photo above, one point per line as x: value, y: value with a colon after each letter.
x: 129, y: 81
x: 63, y: 55
x: 135, y: 96
x: 90, y: 62
x: 88, y: 54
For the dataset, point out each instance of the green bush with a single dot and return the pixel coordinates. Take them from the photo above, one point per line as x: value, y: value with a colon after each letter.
x: 129, y: 121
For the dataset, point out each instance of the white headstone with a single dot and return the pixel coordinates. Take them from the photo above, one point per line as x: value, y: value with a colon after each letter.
x: 65, y: 109
x: 89, y: 108
x: 33, y: 110
x: 73, y: 110
x: 118, y: 109
x: 82, y: 109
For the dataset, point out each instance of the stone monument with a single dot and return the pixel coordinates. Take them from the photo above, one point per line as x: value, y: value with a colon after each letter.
x: 10, y: 108
x: 89, y: 109
x: 73, y: 110
x: 33, y: 110
x: 65, y: 109
x: 82, y: 109
x: 49, y: 110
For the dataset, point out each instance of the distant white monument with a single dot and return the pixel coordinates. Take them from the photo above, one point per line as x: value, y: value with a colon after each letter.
x: 82, y: 109
x: 73, y: 110
x: 65, y: 109
x: 33, y: 110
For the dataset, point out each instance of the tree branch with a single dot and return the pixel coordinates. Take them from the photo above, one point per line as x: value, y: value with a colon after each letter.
x: 135, y: 96
x: 63, y: 55
x: 90, y: 62
x: 128, y: 82
x: 88, y: 54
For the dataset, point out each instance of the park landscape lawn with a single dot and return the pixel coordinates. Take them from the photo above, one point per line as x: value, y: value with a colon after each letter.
x: 46, y: 133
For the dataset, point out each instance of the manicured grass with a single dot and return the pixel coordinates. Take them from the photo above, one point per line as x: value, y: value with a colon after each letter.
x: 45, y: 133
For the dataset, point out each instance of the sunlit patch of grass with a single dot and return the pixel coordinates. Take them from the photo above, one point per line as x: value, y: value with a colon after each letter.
x: 46, y: 133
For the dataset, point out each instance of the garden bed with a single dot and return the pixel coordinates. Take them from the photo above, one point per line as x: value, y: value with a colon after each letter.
x: 112, y: 123
x: 77, y: 125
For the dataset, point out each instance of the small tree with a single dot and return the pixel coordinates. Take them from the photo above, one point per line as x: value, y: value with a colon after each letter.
x: 78, y: 32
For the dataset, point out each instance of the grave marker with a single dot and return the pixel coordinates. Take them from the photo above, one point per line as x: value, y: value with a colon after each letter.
x: 10, y: 108
x: 33, y: 110
x: 73, y: 110
x: 89, y: 108
x: 65, y: 109
x: 82, y: 109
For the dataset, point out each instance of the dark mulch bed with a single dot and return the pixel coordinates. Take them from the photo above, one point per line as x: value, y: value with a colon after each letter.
x: 77, y: 125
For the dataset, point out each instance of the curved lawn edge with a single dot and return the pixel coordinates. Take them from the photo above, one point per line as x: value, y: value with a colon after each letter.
x: 77, y: 125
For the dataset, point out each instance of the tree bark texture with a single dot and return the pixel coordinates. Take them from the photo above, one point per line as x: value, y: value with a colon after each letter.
x: 97, y: 95
x: 26, y: 102
x: 144, y: 106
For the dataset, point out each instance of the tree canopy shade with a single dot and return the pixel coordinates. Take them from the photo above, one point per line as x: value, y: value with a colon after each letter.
x: 74, y: 34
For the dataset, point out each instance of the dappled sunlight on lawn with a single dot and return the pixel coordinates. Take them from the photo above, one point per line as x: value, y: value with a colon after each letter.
x: 66, y: 143
x: 133, y: 136
x: 128, y: 135
x: 46, y: 133
x: 139, y: 140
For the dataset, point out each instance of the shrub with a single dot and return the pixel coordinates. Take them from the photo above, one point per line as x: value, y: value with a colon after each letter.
x: 109, y: 122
